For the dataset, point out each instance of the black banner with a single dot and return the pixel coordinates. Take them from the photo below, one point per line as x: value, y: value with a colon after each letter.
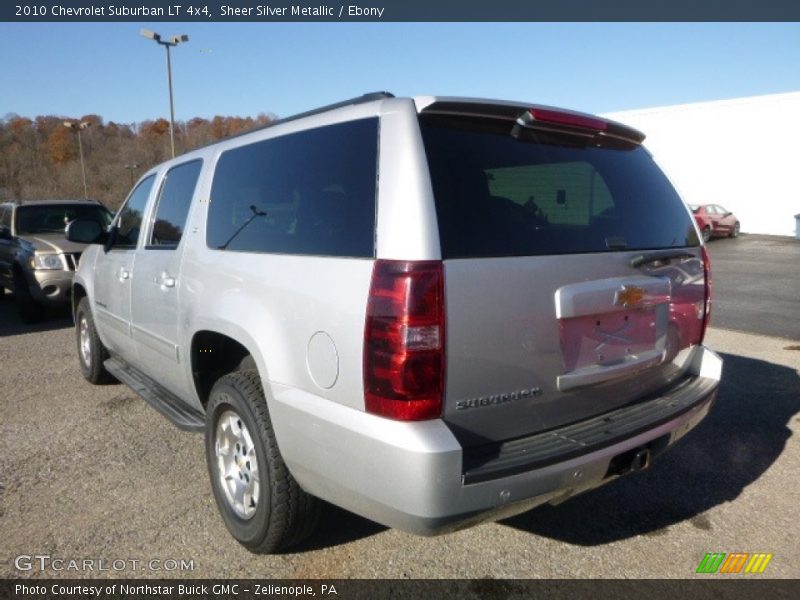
x: 733, y: 588
x: 399, y: 10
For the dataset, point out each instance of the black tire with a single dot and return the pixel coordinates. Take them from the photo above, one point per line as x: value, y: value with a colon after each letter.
x: 91, y: 351
x: 706, y: 233
x: 29, y: 310
x: 735, y: 230
x: 282, y: 513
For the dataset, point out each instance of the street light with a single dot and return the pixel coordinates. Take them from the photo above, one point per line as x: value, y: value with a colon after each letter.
x: 78, y: 126
x: 173, y: 41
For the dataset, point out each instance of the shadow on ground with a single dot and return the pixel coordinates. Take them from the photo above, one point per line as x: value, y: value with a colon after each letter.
x: 10, y: 324
x: 742, y: 437
x: 336, y: 527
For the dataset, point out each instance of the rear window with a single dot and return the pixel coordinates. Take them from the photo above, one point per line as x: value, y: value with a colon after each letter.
x: 501, y: 196
x: 311, y: 192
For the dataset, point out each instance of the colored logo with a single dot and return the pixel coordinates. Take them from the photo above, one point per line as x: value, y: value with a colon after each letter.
x: 629, y: 295
x: 736, y: 562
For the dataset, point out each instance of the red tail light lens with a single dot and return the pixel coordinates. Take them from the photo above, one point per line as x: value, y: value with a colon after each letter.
x: 404, y: 340
x: 707, y: 307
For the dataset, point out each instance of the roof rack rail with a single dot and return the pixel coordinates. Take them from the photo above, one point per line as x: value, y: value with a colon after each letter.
x: 364, y: 98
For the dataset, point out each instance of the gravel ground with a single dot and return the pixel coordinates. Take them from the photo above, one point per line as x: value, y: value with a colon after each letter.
x: 94, y: 473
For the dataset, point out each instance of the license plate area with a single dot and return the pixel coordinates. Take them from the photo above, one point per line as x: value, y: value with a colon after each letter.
x: 612, y: 338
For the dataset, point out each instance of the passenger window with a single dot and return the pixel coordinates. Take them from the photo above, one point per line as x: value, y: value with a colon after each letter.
x: 129, y: 219
x: 5, y: 217
x: 311, y: 192
x: 176, y: 195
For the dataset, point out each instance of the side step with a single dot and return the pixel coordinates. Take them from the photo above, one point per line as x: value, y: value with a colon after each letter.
x: 168, y: 404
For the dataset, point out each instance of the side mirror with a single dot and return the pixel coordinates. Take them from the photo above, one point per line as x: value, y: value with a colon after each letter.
x: 110, y: 237
x: 85, y: 231
x: 5, y: 233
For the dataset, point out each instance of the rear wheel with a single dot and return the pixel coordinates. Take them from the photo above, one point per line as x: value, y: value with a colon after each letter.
x: 735, y: 230
x: 91, y: 351
x: 706, y: 233
x: 261, y: 504
x: 29, y: 310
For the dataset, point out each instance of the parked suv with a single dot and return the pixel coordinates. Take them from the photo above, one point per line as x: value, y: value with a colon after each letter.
x: 428, y: 311
x: 36, y: 262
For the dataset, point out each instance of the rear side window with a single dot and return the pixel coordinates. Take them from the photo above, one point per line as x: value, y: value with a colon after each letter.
x: 173, y: 205
x: 129, y: 220
x: 501, y: 196
x: 311, y: 192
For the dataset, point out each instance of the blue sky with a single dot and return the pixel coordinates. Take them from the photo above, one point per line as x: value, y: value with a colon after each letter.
x: 283, y: 68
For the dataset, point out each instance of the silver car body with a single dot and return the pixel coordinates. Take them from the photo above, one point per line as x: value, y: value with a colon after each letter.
x: 302, y: 318
x: 46, y: 286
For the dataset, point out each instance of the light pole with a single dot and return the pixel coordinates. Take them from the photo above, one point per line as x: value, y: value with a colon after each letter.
x: 78, y: 126
x: 131, y: 169
x: 173, y: 41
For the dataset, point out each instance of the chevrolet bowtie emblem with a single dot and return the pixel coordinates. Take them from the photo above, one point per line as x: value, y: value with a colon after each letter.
x: 629, y: 295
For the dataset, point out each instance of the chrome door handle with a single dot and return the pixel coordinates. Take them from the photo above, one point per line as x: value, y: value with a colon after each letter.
x: 124, y: 274
x: 167, y: 281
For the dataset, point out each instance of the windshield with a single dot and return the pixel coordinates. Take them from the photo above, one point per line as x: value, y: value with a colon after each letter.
x: 52, y: 218
x: 547, y: 194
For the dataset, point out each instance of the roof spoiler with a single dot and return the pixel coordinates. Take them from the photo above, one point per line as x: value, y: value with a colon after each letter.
x: 542, y: 118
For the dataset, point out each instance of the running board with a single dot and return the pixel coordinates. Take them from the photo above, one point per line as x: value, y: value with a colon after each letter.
x: 168, y: 404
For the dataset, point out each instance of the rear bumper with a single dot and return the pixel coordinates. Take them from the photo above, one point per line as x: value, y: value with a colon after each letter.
x: 416, y: 477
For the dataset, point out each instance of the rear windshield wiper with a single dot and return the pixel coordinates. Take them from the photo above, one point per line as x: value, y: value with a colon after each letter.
x: 659, y: 255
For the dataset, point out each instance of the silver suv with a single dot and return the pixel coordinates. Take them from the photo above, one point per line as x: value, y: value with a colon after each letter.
x: 428, y: 311
x: 36, y: 262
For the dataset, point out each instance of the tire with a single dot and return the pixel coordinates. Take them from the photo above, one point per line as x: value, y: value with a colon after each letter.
x: 29, y: 310
x: 260, y: 502
x: 91, y: 351
x: 706, y: 233
x: 735, y: 230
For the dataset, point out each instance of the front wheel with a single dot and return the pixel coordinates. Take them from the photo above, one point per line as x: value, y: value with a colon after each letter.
x: 706, y: 233
x: 261, y: 504
x: 30, y: 311
x: 735, y: 230
x: 91, y: 351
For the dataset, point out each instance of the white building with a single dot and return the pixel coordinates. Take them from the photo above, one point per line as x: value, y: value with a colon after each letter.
x: 743, y: 154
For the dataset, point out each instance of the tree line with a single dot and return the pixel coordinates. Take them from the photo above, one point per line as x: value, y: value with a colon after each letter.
x: 40, y: 158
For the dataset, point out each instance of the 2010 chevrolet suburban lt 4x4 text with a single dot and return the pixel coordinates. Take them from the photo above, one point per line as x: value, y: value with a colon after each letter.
x: 428, y: 311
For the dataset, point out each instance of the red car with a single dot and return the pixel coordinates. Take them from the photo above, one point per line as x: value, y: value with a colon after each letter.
x: 715, y: 221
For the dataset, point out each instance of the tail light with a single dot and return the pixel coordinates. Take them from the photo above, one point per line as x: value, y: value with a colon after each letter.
x: 404, y: 340
x: 707, y: 304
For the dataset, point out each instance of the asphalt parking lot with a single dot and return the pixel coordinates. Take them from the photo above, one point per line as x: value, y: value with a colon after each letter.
x: 756, y: 282
x: 94, y: 473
